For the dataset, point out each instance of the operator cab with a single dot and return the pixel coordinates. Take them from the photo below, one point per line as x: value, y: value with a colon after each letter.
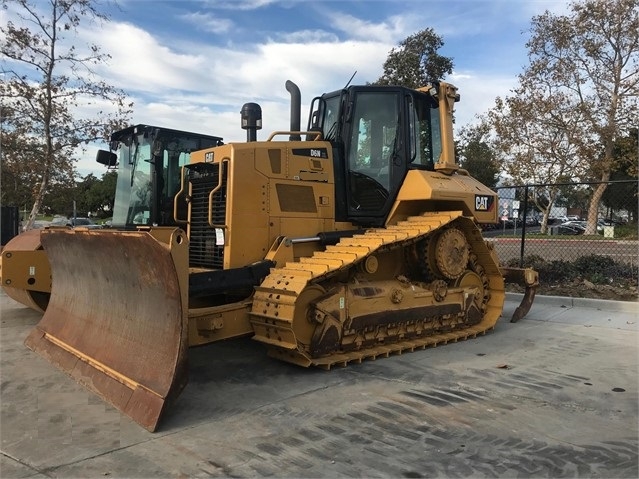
x: 378, y: 134
x: 149, y: 161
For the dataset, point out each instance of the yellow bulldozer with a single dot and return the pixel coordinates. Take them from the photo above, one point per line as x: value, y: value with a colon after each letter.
x: 355, y: 238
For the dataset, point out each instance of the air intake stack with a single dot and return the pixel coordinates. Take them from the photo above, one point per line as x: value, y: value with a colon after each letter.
x: 251, y: 120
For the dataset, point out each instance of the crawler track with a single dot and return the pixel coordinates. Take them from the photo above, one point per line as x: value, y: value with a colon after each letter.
x: 376, y: 294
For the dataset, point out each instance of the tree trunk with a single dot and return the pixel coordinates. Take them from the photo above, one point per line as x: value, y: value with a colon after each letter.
x: 593, y: 207
x: 37, y: 202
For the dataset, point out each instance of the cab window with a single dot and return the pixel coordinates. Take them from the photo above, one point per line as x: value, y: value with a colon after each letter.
x: 424, y: 132
x: 373, y: 145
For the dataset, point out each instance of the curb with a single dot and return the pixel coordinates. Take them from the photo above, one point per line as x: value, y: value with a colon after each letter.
x: 568, y: 302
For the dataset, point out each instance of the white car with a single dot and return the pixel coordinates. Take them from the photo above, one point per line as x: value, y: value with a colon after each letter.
x: 82, y: 222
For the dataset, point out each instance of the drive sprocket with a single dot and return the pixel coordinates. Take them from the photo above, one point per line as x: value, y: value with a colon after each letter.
x: 447, y: 254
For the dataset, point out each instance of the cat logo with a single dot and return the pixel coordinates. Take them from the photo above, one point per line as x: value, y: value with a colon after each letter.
x: 484, y: 203
x: 208, y: 157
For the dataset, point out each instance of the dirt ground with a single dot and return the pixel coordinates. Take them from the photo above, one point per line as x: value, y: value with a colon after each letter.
x: 623, y: 290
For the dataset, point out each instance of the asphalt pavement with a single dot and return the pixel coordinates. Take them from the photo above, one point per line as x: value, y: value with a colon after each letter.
x: 555, y: 395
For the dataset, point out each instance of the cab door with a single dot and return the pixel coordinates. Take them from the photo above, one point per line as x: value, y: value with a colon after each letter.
x: 374, y: 161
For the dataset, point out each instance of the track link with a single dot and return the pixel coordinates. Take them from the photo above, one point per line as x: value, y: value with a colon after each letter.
x: 285, y: 303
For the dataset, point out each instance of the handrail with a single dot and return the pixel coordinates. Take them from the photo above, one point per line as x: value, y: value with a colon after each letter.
x: 226, y: 159
x: 175, y: 199
x: 318, y: 134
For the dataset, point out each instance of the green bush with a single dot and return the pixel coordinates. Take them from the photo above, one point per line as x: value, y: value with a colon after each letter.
x: 602, y: 269
x: 548, y: 270
x: 627, y: 231
x: 594, y: 268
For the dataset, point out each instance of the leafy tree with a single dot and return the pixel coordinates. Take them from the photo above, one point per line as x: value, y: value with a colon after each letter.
x: 59, y: 198
x: 91, y: 194
x: 477, y: 155
x: 416, y: 61
x: 47, y: 78
x: 100, y: 196
x: 575, y: 197
x: 17, y: 170
x: 81, y: 194
x: 624, y: 196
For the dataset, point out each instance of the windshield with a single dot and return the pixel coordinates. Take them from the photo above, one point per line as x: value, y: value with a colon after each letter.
x: 133, y: 190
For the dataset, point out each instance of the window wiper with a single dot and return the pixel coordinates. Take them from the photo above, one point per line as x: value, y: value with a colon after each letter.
x: 135, y: 160
x: 331, y: 132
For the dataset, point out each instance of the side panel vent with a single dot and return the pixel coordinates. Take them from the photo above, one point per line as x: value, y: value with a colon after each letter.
x: 296, y: 199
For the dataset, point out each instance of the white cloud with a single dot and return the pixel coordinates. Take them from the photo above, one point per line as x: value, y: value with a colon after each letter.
x: 307, y: 36
x: 208, y: 22
x: 139, y: 62
x: 538, y: 7
x: 385, y: 32
x: 478, y: 91
x: 239, y: 4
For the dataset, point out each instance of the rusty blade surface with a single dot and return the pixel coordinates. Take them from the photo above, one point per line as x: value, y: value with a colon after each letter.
x: 26, y: 241
x: 116, y: 320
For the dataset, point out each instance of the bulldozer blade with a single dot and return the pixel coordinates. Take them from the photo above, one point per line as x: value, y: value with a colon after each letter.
x: 26, y: 276
x: 117, y: 318
x: 529, y: 279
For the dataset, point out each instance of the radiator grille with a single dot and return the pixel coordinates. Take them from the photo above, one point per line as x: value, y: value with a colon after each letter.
x: 203, y: 250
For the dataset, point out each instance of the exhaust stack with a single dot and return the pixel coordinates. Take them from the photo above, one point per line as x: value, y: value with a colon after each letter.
x: 296, y: 109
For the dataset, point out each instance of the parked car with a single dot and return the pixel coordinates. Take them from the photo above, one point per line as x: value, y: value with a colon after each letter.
x: 553, y: 220
x: 83, y: 222
x: 569, y: 228
x: 583, y: 224
x: 37, y: 225
x: 59, y: 221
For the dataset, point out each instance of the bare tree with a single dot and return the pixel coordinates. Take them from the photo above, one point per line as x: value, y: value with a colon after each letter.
x: 48, y: 77
x: 581, y: 91
x: 540, y: 137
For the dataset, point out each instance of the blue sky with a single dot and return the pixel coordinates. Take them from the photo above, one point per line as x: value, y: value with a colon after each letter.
x: 191, y: 65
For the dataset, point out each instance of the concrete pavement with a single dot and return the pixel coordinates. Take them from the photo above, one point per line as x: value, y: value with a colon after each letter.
x: 555, y: 395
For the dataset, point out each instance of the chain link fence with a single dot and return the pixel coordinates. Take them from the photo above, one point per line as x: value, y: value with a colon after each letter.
x: 559, y: 230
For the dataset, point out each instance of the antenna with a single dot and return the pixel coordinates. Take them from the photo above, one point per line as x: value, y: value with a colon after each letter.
x: 349, y: 81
